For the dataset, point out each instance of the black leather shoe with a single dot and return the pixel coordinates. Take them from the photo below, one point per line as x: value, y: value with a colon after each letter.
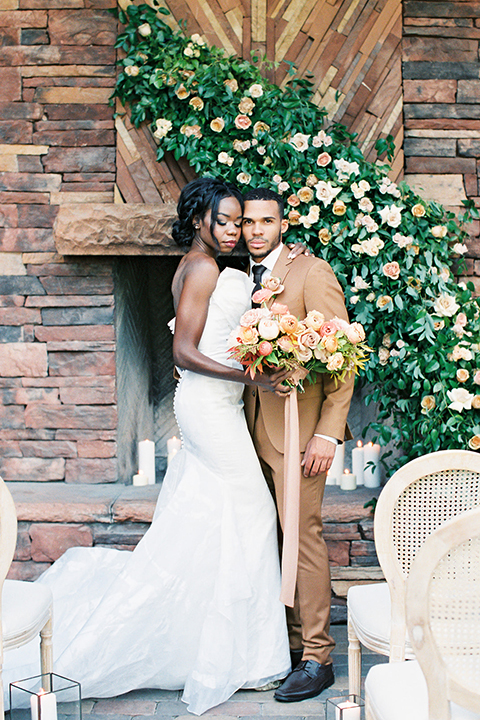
x: 296, y: 657
x: 308, y: 680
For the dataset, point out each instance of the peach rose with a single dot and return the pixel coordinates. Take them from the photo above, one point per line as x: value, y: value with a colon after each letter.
x: 232, y: 84
x: 288, y: 323
x: 462, y: 375
x: 265, y: 348
x: 418, y: 210
x: 335, y: 362
x: 309, y: 338
x: 327, y: 328
x: 314, y: 320
x: 305, y: 194
x: 262, y: 295
x: 474, y: 442
x: 294, y: 217
x: 324, y: 159
x: 311, y: 180
x: 248, y: 335
x: 476, y: 377
x: 285, y: 344
x: 324, y: 236
x: 476, y: 402
x: 392, y: 270
x: 355, y: 333
x: 339, y: 207
x: 196, y: 102
x: 182, y: 92
x: 260, y: 127
x: 246, y: 105
x: 461, y: 319
x: 383, y: 301
x: 274, y: 284
x: 279, y: 309
x: 293, y: 200
x: 428, y: 403
x: 330, y: 343
x: 304, y: 354
x: 268, y: 329
x: 242, y: 122
x: 217, y: 124
x: 251, y: 317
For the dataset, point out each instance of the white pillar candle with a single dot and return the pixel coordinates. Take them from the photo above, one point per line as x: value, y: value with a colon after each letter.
x: 46, y: 703
x: 358, y: 462
x: 140, y: 478
x: 146, y: 459
x: 336, y: 469
x: 347, y: 711
x: 174, y: 444
x: 331, y: 480
x: 371, y: 472
x: 348, y: 481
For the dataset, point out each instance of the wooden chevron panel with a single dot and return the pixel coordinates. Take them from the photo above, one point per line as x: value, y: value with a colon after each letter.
x: 351, y: 48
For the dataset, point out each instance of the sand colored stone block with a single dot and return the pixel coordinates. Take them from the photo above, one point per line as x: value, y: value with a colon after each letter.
x: 80, y: 95
x: 65, y: 198
x: 23, y: 18
x: 12, y: 264
x: 23, y: 359
x: 49, y: 541
x: 16, y: 149
x: 32, y: 469
x: 78, y: 332
x: 445, y: 189
x: 8, y: 163
x: 67, y: 71
x: 91, y: 470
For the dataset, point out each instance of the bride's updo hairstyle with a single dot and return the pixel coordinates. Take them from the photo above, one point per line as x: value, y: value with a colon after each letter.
x: 196, y: 199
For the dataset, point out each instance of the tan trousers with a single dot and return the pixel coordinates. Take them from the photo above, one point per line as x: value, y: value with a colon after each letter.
x: 309, y: 620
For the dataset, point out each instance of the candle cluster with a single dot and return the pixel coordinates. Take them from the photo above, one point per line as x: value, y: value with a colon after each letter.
x: 365, y: 467
x: 146, y: 463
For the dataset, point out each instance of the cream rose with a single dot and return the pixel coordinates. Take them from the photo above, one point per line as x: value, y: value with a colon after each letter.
x: 132, y: 70
x: 225, y: 158
x: 255, y: 90
x: 217, y: 124
x: 244, y: 178
x: 476, y: 402
x: 476, y: 377
x: 163, y: 126
x: 314, y: 320
x: 246, y: 106
x: 383, y: 355
x: 392, y: 215
x: 274, y: 284
x: 260, y: 127
x: 365, y: 205
x: 439, y: 231
x: 446, y: 305
x: 285, y: 344
x: 311, y: 180
x: 324, y: 236
x: 300, y: 142
x: 428, y: 402
x: 355, y: 333
x: 182, y: 92
x: 460, y: 399
x: 304, y: 354
x: 335, y: 362
x: 383, y: 301
x: 232, y: 84
x: 268, y: 329
x: 144, y: 30
x: 294, y: 217
x: 309, y: 338
x: 418, y: 210
x: 251, y: 317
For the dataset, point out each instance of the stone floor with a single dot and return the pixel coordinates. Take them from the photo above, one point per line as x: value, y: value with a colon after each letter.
x: 245, y: 704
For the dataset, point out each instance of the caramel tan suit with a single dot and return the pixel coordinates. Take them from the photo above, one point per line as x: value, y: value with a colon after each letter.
x: 310, y: 284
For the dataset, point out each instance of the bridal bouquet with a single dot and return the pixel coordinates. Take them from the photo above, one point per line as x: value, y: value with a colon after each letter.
x: 274, y: 338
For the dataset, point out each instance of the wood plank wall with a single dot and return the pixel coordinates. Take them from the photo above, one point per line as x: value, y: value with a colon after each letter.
x: 352, y: 48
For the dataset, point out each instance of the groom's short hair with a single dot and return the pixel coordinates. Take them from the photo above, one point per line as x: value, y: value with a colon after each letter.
x: 264, y: 193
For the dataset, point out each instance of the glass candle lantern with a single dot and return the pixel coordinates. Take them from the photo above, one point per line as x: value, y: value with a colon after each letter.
x: 45, y: 697
x: 345, y: 707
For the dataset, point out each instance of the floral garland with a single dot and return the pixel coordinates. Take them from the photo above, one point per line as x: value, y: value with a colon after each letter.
x: 392, y: 251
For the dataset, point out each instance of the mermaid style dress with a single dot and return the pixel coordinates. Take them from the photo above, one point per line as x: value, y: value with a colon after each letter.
x: 196, y: 605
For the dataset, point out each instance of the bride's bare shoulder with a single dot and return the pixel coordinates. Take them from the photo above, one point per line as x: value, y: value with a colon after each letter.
x: 194, y: 268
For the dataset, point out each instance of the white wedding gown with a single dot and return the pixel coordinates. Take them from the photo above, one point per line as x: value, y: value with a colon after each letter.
x: 196, y: 605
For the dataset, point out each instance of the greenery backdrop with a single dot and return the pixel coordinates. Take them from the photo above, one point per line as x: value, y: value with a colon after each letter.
x: 393, y: 252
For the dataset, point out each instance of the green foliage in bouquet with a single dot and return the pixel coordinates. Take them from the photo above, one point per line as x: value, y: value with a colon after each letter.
x: 392, y: 251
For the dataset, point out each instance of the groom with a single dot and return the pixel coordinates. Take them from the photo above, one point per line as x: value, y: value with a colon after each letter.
x: 309, y: 284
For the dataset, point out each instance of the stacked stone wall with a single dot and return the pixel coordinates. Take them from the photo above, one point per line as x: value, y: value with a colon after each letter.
x: 441, y: 86
x: 57, y: 145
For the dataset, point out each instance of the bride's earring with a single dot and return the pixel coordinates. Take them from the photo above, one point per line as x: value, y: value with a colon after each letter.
x: 196, y: 227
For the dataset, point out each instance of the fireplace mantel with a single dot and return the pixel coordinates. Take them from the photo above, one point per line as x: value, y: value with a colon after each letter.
x: 115, y: 229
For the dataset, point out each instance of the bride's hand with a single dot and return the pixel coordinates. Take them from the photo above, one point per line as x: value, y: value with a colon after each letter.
x: 274, y: 381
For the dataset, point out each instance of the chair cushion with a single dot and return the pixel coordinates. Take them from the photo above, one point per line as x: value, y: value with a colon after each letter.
x: 25, y: 610
x: 369, y: 610
x: 397, y: 691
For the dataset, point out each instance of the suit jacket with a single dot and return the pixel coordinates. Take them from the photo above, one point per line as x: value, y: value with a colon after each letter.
x: 309, y: 284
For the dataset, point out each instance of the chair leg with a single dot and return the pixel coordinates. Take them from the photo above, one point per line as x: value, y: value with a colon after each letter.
x: 354, y: 661
x: 46, y: 646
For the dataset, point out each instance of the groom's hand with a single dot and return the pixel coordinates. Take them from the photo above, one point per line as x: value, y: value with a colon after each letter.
x: 318, y: 456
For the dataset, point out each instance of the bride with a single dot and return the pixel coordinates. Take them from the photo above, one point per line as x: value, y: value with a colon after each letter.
x: 196, y: 605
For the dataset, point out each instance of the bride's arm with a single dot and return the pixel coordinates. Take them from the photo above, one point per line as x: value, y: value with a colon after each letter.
x: 199, y: 283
